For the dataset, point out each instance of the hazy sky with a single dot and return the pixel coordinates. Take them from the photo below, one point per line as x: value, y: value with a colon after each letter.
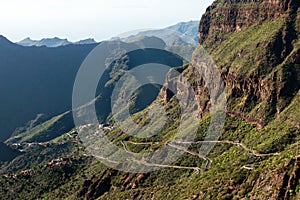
x: 99, y: 19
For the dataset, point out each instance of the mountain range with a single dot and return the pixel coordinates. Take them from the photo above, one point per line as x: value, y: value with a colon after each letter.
x: 53, y: 42
x: 32, y: 79
x: 185, y: 31
x: 256, y: 48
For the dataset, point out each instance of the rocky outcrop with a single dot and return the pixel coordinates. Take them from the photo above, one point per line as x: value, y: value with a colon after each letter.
x: 278, y: 184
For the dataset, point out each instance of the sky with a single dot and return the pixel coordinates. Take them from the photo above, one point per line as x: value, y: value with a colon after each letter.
x: 98, y: 19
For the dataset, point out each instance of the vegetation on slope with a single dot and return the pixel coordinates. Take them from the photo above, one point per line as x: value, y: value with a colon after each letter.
x: 256, y: 157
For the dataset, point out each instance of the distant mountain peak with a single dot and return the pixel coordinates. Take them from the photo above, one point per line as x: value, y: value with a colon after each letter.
x: 28, y: 39
x: 86, y: 41
x: 187, y: 31
x: 53, y: 42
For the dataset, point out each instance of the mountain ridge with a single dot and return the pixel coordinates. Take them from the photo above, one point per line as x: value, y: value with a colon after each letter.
x: 53, y: 42
x: 187, y: 31
x: 5, y: 41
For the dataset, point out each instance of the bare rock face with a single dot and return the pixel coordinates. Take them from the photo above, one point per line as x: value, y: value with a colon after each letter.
x: 264, y: 81
x: 236, y: 15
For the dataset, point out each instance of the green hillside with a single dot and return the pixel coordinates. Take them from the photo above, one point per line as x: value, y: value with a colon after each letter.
x: 256, y: 47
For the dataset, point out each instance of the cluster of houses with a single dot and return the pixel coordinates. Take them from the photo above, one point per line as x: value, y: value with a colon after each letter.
x: 104, y: 127
x: 53, y: 163
x: 21, y: 173
x: 62, y: 161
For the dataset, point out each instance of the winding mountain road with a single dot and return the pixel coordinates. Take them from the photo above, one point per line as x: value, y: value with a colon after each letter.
x: 175, y: 144
x: 239, y: 144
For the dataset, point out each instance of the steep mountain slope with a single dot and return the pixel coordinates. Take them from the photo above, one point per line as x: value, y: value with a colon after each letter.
x: 31, y: 81
x: 7, y: 153
x: 257, y: 155
x: 257, y: 49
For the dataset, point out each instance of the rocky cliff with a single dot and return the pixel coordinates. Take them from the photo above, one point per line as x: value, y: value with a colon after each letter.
x: 256, y: 48
x: 236, y: 15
